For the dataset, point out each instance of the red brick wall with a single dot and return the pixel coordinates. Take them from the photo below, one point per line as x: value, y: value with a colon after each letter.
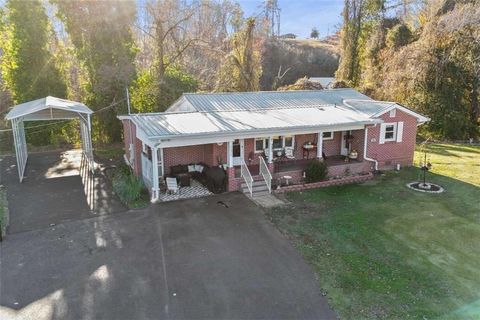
x: 206, y: 153
x: 391, y: 153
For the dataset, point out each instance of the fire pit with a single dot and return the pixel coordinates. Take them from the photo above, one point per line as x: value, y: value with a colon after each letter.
x: 425, y: 187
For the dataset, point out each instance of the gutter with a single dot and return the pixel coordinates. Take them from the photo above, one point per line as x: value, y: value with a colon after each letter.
x: 365, y: 149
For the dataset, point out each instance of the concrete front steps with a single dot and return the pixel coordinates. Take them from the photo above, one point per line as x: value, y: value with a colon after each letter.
x: 259, y: 187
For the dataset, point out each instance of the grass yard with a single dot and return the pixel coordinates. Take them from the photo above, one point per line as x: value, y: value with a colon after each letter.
x: 381, y: 250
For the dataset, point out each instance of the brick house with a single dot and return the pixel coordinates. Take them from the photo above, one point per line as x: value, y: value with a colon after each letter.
x: 270, y: 136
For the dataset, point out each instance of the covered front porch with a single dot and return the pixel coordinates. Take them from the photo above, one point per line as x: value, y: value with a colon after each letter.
x: 249, y: 159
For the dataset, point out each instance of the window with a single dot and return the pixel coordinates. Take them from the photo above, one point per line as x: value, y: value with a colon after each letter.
x: 390, y: 131
x: 260, y: 144
x: 328, y: 135
x: 288, y: 141
x: 277, y: 142
x: 147, y: 151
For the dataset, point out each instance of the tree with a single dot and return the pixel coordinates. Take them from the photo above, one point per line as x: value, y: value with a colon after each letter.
x: 241, y: 69
x: 101, y: 32
x: 147, y: 95
x: 314, y: 34
x: 28, y: 67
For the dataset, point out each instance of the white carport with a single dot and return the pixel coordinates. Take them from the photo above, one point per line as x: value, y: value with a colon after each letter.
x: 49, y: 108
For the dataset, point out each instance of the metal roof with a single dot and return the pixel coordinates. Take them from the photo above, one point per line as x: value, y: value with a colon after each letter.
x: 47, y: 108
x: 236, y: 101
x: 161, y: 125
x: 369, y: 107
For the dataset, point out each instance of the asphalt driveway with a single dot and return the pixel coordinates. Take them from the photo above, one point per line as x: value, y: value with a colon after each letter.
x: 192, y: 259
x: 57, y: 187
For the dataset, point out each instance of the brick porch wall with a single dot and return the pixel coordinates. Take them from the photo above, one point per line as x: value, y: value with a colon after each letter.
x: 333, y: 171
x: 391, y: 153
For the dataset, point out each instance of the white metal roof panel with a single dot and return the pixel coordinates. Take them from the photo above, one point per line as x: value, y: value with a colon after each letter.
x: 369, y: 107
x: 197, y: 123
x: 31, y: 107
x: 236, y: 101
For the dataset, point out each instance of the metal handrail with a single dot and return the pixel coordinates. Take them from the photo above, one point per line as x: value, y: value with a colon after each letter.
x: 247, y: 176
x: 267, y: 176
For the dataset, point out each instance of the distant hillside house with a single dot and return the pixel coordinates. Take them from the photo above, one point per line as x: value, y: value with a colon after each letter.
x: 269, y: 136
x: 288, y: 36
x: 326, y: 82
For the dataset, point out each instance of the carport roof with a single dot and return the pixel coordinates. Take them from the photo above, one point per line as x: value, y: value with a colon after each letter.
x: 62, y: 109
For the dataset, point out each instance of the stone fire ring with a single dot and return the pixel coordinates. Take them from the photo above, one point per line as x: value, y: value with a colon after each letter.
x: 428, y: 187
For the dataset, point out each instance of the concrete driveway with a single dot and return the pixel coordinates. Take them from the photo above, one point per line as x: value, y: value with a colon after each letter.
x: 57, y: 187
x: 192, y: 259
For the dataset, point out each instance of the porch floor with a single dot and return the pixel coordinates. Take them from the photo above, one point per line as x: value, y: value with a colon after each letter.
x: 195, y: 190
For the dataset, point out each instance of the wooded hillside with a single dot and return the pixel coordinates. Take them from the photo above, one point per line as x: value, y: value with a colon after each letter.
x: 421, y: 53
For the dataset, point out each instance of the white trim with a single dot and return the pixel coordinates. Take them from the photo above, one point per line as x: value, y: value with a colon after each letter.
x: 400, y: 131
x: 230, y: 154
x: 238, y: 160
x: 393, y: 113
x: 420, y: 118
x: 394, y: 131
x: 320, y: 145
x: 264, y: 140
x: 332, y: 134
x: 293, y: 141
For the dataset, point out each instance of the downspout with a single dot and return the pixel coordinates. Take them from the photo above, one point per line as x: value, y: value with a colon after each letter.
x: 365, y: 149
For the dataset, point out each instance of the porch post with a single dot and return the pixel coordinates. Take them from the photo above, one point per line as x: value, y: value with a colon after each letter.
x: 320, y: 145
x: 230, y: 154
x: 270, y: 149
x: 155, y: 188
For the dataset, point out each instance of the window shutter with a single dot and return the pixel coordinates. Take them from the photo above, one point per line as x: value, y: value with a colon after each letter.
x: 381, y: 139
x: 400, y: 131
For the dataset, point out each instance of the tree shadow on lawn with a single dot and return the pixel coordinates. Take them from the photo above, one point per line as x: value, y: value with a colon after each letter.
x: 444, y: 150
x: 383, y: 250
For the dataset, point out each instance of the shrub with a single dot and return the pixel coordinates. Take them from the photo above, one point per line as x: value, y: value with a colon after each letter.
x: 316, y: 171
x: 128, y: 187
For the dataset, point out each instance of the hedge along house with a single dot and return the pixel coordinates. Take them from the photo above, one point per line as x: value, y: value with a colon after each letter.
x: 265, y: 136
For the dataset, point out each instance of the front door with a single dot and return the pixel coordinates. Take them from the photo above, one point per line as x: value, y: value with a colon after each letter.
x: 237, y: 152
x: 345, y: 148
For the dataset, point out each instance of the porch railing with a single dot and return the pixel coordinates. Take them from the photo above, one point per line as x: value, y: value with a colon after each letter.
x: 267, y: 176
x: 247, y: 177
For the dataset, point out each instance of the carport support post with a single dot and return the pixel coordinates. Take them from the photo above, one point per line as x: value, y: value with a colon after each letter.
x: 320, y: 146
x: 155, y: 187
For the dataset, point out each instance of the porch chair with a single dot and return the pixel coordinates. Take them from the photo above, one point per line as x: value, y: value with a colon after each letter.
x: 172, y: 186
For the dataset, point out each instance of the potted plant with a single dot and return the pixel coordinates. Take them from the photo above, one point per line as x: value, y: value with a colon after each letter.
x: 353, y: 154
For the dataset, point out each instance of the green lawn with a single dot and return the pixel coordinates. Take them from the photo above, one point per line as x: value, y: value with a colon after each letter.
x: 381, y: 250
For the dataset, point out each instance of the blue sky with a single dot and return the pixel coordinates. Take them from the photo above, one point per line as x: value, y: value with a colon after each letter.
x: 300, y: 16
